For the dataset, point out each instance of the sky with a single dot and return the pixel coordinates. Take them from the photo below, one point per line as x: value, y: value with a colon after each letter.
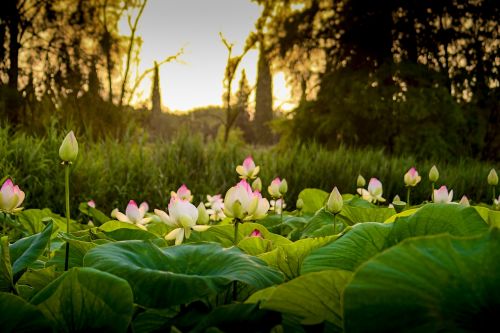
x: 196, y: 80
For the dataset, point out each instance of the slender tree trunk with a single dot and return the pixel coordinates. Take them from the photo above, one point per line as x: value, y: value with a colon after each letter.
x: 263, y: 99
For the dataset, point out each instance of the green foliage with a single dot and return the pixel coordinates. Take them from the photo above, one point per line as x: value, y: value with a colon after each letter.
x: 111, y: 173
x: 17, y: 315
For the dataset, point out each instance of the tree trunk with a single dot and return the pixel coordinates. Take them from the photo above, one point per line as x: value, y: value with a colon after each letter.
x: 263, y: 99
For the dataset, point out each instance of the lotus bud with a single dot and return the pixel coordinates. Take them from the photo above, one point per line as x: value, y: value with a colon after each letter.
x: 433, y: 174
x: 493, y: 178
x: 69, y: 148
x: 283, y: 187
x: 361, y: 182
x: 91, y: 203
x: 464, y: 201
x: 442, y: 195
x: 274, y: 188
x: 203, y: 217
x: 299, y: 204
x: 248, y: 169
x: 256, y: 233
x: 335, y: 202
x: 257, y: 184
x: 411, y: 178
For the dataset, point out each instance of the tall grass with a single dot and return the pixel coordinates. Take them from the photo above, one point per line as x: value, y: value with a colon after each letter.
x: 112, y: 172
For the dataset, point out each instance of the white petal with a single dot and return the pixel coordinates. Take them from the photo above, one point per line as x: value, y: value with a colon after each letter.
x: 200, y: 227
x: 173, y: 234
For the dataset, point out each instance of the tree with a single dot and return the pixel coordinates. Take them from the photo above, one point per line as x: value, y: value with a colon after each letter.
x: 263, y: 98
x: 155, y: 94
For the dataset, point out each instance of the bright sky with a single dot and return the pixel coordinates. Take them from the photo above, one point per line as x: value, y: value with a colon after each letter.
x: 169, y: 25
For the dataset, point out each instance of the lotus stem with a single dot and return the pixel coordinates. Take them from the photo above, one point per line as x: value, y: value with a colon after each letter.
x: 494, y: 193
x: 236, y: 222
x: 334, y: 223
x: 66, y: 181
x: 408, y: 196
x: 432, y: 192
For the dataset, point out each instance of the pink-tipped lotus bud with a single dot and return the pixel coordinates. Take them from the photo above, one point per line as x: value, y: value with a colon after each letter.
x: 411, y: 177
x: 256, y: 233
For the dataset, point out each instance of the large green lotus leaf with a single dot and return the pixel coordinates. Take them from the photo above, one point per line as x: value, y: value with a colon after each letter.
x: 85, y: 299
x: 313, y: 198
x: 26, y: 251
x: 433, y: 219
x: 224, y: 234
x: 31, y: 219
x: 349, y: 251
x: 366, y: 240
x: 352, y: 214
x: 428, y: 284
x: 6, y: 283
x: 77, y: 250
x: 288, y: 258
x: 320, y: 220
x: 314, y: 297
x: 17, y: 315
x: 119, y: 231
x: 494, y: 218
x: 34, y: 280
x: 255, y: 245
x: 161, y: 277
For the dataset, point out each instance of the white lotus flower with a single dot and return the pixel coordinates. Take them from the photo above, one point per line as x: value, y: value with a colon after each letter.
x: 11, y: 197
x: 442, y: 195
x: 278, y: 188
x: 133, y: 214
x: 216, y: 205
x: 276, y: 206
x: 182, y: 216
x: 182, y: 193
x: 241, y: 203
x: 374, y: 193
x: 335, y: 202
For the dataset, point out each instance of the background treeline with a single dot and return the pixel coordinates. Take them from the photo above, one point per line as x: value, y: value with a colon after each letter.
x: 111, y: 172
x: 410, y: 77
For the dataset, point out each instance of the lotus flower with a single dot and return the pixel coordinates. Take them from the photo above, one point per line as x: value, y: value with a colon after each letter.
x: 256, y: 233
x: 11, y: 197
x: 411, y: 177
x: 216, y: 205
x: 335, y: 202
x: 278, y: 188
x: 182, y: 193
x: 248, y: 170
x: 68, y: 151
x: 374, y: 193
x: 442, y: 195
x: 464, y: 201
x: 91, y: 203
x: 277, y: 206
x: 183, y: 217
x: 243, y: 204
x: 133, y: 214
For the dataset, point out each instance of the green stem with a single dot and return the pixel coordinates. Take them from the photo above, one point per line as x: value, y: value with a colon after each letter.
x: 334, y: 223
x: 432, y: 191
x: 408, y: 196
x: 282, y: 201
x: 66, y: 181
x: 236, y: 222
x: 494, y: 193
x: 235, y: 283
